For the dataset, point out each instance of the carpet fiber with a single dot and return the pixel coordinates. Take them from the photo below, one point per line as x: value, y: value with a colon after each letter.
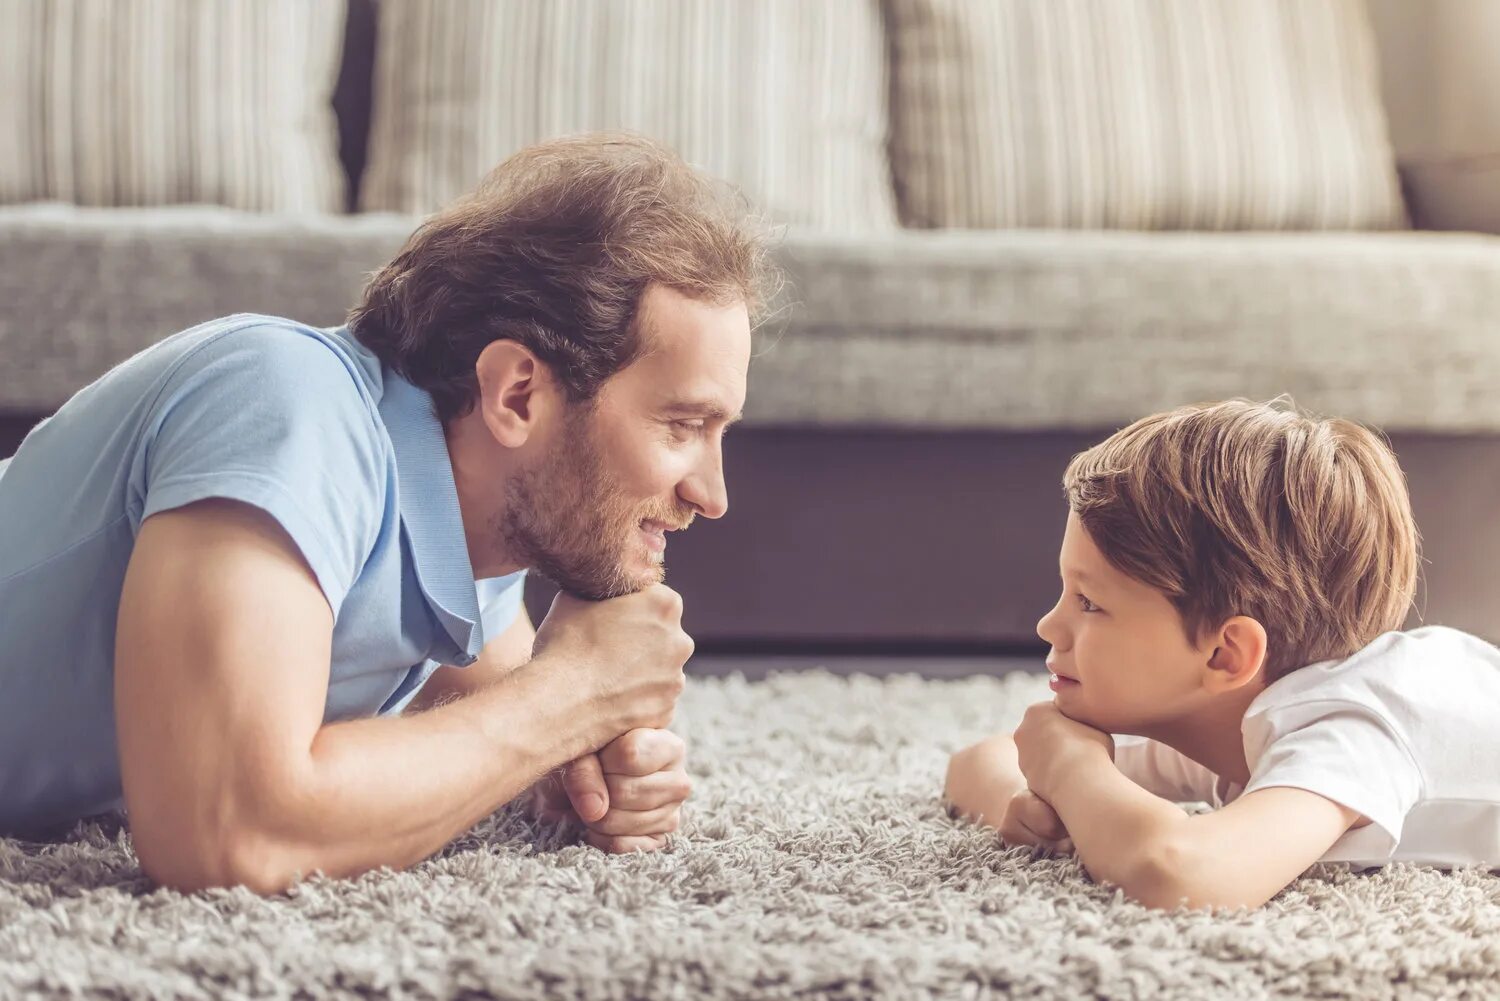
x: 816, y: 863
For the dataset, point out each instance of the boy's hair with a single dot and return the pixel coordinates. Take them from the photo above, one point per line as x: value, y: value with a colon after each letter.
x: 1243, y: 508
x: 555, y: 250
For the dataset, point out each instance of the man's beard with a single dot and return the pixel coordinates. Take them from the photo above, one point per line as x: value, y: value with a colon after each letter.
x: 569, y: 519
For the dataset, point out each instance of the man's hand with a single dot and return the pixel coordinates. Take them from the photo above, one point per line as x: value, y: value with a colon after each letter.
x: 1049, y: 745
x: 624, y: 656
x: 985, y: 785
x: 629, y: 796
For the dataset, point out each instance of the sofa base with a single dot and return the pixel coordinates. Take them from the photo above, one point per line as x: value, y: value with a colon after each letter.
x: 913, y: 542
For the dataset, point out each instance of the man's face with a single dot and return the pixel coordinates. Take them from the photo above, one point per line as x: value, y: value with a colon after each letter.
x: 640, y: 460
x: 1121, y: 659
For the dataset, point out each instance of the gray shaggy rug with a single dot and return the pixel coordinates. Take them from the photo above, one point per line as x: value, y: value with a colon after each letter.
x: 817, y: 863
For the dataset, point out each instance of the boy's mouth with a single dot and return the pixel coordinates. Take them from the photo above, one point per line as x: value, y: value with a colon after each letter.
x: 1057, y: 681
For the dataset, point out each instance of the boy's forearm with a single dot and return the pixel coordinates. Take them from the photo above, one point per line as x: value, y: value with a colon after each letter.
x: 1120, y: 831
x: 983, y: 778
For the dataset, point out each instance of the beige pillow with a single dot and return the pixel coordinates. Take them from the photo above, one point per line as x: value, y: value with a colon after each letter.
x: 1139, y: 114
x: 784, y: 98
x: 150, y: 102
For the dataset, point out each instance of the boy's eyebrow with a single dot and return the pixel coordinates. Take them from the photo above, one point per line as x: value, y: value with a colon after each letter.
x: 1081, y: 576
x: 703, y: 408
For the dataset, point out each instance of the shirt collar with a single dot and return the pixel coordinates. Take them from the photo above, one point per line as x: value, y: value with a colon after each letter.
x: 430, y: 515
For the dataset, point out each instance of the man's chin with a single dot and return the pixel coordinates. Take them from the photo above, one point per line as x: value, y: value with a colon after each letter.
x: 630, y: 580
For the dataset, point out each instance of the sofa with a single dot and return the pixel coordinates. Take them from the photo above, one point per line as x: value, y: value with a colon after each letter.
x: 917, y: 389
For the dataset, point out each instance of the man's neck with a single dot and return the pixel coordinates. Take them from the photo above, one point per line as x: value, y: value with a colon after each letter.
x: 476, y: 474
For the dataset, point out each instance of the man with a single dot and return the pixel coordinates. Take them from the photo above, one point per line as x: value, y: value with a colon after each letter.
x: 231, y: 568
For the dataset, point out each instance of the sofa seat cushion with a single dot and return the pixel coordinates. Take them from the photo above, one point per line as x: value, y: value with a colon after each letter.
x: 1014, y: 330
x: 1030, y: 329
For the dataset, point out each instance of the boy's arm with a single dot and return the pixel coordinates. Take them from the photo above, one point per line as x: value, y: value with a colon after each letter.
x: 985, y: 785
x: 1239, y: 856
x: 982, y: 779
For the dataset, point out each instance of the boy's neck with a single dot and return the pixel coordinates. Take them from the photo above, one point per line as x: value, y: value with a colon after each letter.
x: 1211, y: 735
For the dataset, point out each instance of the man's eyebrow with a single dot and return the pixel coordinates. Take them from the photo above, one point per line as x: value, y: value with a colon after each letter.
x: 702, y: 408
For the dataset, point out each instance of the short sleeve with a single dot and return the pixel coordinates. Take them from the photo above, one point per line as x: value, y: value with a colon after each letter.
x: 276, y: 418
x: 1351, y: 756
x: 500, y: 602
x: 1162, y: 771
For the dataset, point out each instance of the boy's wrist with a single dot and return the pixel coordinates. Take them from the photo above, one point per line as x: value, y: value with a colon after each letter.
x: 1075, y: 758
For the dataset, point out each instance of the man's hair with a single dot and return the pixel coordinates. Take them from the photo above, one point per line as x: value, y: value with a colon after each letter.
x: 554, y: 250
x: 1242, y: 508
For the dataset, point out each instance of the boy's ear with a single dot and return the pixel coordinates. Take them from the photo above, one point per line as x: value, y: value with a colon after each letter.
x: 516, y: 391
x: 1239, y: 653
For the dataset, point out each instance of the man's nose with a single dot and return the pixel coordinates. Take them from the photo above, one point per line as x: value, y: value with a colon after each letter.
x: 705, y: 489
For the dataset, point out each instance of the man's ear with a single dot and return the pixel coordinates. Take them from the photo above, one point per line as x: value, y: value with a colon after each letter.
x: 1239, y: 654
x: 516, y: 391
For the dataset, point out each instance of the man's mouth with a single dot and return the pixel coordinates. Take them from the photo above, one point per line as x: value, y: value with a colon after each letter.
x: 655, y: 535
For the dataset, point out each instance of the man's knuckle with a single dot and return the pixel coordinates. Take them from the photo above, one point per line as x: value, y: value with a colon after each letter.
x: 632, y: 757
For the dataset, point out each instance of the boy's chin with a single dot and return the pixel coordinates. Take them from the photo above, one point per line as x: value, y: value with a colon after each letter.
x: 1081, y: 714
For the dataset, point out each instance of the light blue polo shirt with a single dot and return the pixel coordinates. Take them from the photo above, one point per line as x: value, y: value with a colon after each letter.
x: 303, y: 423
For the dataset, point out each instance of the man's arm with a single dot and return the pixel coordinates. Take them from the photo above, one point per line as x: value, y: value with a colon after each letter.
x: 499, y: 658
x: 1238, y: 856
x: 629, y: 795
x: 222, y: 666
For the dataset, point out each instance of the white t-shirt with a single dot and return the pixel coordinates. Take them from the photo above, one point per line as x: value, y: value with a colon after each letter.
x: 1406, y: 731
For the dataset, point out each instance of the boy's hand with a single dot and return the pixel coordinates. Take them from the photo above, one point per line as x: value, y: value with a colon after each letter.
x: 985, y: 785
x: 1049, y: 745
x: 981, y: 780
x: 1029, y: 820
x: 629, y: 795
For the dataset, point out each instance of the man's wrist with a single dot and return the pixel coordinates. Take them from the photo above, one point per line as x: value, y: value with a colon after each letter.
x: 554, y: 704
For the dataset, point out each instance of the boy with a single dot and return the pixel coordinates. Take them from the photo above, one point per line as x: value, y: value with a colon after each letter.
x: 1232, y: 578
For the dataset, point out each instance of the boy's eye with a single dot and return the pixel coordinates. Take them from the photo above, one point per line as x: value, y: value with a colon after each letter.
x: 1085, y: 604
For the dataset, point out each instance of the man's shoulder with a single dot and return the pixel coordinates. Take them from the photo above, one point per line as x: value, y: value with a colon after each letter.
x: 251, y: 368
x: 276, y: 352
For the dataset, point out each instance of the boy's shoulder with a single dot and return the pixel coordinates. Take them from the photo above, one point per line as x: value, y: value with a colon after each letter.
x: 1396, y: 675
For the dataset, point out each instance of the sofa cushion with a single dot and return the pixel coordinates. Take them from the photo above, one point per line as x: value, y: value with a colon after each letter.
x: 1139, y: 114
x: 1022, y: 329
x: 784, y: 98
x: 152, y: 102
x: 1027, y: 329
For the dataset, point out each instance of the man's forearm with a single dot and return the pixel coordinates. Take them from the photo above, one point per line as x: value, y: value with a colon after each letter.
x: 1116, y: 826
x: 391, y: 791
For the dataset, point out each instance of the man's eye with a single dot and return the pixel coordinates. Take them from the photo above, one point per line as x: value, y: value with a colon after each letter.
x: 690, y: 427
x: 1085, y: 604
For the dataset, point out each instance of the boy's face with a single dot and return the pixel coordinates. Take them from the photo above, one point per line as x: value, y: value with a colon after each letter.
x: 1121, y: 659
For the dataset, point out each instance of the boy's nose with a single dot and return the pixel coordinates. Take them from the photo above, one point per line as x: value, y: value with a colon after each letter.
x: 1047, y: 630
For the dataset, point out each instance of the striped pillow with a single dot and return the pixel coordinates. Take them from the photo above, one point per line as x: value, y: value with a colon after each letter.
x: 784, y: 98
x: 1139, y: 114
x: 152, y: 102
